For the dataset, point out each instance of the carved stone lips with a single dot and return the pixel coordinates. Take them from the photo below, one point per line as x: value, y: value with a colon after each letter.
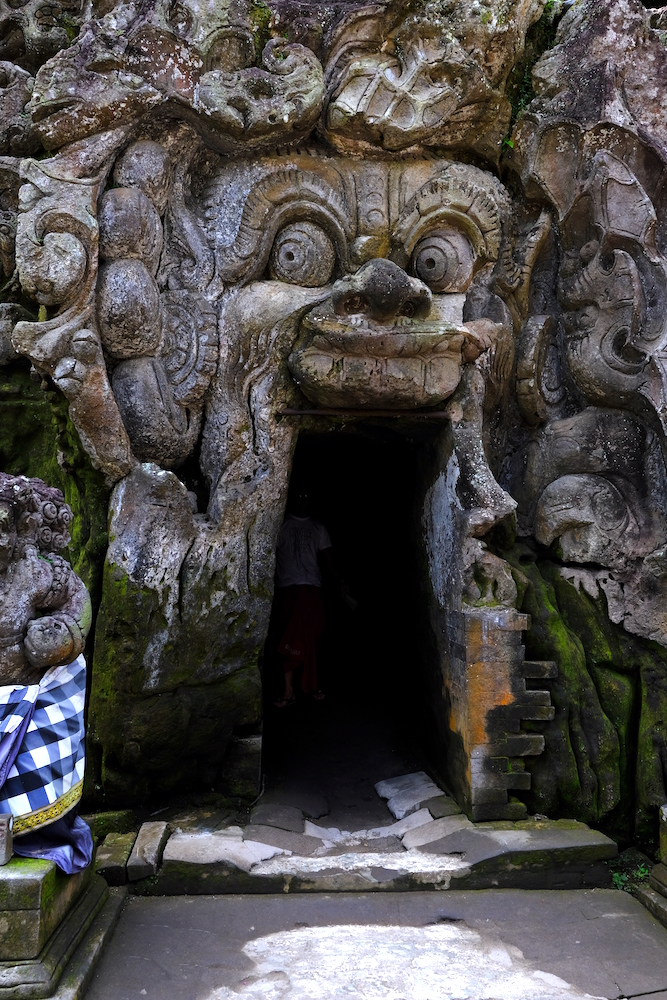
x: 361, y: 335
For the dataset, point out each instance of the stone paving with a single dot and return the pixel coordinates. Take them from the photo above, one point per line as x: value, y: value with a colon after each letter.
x: 484, y: 945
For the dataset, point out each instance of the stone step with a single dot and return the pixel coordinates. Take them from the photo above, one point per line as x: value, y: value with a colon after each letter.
x: 654, y: 902
x: 539, y: 669
x: 658, y: 879
x: 445, y: 853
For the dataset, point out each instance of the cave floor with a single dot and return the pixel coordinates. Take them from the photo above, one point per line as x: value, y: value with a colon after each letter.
x: 504, y: 944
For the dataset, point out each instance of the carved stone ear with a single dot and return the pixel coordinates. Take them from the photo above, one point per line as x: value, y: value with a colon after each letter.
x: 515, y: 264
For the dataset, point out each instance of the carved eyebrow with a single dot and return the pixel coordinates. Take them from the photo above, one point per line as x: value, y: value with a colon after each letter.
x: 457, y: 198
x: 282, y: 197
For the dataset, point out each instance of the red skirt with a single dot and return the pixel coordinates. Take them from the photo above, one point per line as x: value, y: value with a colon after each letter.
x: 301, y: 624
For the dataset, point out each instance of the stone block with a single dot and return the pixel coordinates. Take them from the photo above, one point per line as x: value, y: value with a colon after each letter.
x: 401, y: 827
x: 64, y: 964
x: 405, y: 794
x: 539, y: 669
x: 311, y: 802
x: 441, y: 805
x: 115, y: 821
x: 286, y: 840
x: 216, y: 848
x: 435, y: 830
x: 662, y: 819
x: 241, y: 770
x: 147, y: 851
x: 112, y: 857
x: 34, y: 897
x: 658, y: 879
x: 282, y: 817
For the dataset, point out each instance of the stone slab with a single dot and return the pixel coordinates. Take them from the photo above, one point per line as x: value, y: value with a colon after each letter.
x: 302, y: 796
x: 35, y: 896
x: 603, y: 942
x: 147, y: 851
x: 281, y: 816
x: 115, y: 821
x: 658, y: 878
x: 286, y: 840
x: 435, y: 830
x: 654, y: 902
x: 389, y: 787
x: 38, y: 977
x: 376, y: 845
x: 112, y: 857
x: 406, y: 793
x: 214, y: 848
x: 441, y: 805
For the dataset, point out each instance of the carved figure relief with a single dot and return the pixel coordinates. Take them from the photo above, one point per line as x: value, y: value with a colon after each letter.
x: 240, y: 218
x: 45, y: 615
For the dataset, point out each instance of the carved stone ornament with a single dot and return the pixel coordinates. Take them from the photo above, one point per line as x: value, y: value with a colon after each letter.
x: 452, y: 217
x: 46, y: 612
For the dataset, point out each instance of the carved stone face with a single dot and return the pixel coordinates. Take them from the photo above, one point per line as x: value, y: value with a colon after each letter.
x: 393, y: 248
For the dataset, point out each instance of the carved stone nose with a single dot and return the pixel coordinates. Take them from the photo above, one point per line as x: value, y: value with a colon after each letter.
x: 382, y: 290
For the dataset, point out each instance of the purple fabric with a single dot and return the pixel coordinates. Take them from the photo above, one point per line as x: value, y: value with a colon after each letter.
x: 10, y: 744
x: 68, y: 842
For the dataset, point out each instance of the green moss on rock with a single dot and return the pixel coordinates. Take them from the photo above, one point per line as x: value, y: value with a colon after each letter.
x: 37, y: 438
x: 604, y: 753
x: 148, y: 743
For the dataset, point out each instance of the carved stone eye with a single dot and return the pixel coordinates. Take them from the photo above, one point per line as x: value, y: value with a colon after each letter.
x: 444, y: 260
x: 302, y: 254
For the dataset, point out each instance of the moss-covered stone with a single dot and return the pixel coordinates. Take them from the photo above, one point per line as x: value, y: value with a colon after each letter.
x: 603, y: 759
x: 146, y: 744
x: 37, y: 438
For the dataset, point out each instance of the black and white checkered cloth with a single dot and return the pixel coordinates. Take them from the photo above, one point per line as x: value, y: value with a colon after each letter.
x: 46, y: 779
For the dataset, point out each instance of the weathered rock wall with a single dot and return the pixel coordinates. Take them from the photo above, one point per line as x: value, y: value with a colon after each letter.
x: 209, y: 215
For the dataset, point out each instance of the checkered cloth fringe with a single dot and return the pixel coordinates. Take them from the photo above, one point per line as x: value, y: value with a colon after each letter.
x: 46, y: 779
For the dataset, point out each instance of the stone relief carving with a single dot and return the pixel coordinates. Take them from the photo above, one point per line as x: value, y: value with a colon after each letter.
x: 237, y: 219
x: 46, y: 610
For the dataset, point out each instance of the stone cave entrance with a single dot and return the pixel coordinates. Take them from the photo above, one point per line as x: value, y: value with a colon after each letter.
x: 363, y: 480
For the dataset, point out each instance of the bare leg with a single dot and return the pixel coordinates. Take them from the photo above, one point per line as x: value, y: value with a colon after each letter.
x: 288, y: 695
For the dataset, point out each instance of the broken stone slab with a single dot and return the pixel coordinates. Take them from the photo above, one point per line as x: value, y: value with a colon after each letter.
x: 378, y: 845
x: 406, y: 794
x: 392, y: 786
x: 286, y: 840
x: 312, y: 804
x: 112, y: 857
x: 147, y: 851
x: 281, y: 816
x: 435, y: 830
x: 397, y: 829
x: 330, y: 835
x: 216, y: 848
x: 441, y: 805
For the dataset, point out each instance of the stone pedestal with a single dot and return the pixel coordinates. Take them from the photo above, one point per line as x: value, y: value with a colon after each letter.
x: 52, y: 928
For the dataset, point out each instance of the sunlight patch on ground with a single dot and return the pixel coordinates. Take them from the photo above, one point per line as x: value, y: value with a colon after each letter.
x: 438, y: 962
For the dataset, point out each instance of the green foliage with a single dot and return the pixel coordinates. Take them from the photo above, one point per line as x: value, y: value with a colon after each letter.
x: 540, y: 37
x: 260, y: 20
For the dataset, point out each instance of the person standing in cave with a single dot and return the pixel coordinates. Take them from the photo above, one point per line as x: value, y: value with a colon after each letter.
x: 303, y: 548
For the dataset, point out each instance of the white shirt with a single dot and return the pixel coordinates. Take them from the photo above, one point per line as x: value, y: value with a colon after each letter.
x: 299, y: 541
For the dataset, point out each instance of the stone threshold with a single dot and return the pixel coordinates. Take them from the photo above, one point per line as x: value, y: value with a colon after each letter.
x: 430, y: 845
